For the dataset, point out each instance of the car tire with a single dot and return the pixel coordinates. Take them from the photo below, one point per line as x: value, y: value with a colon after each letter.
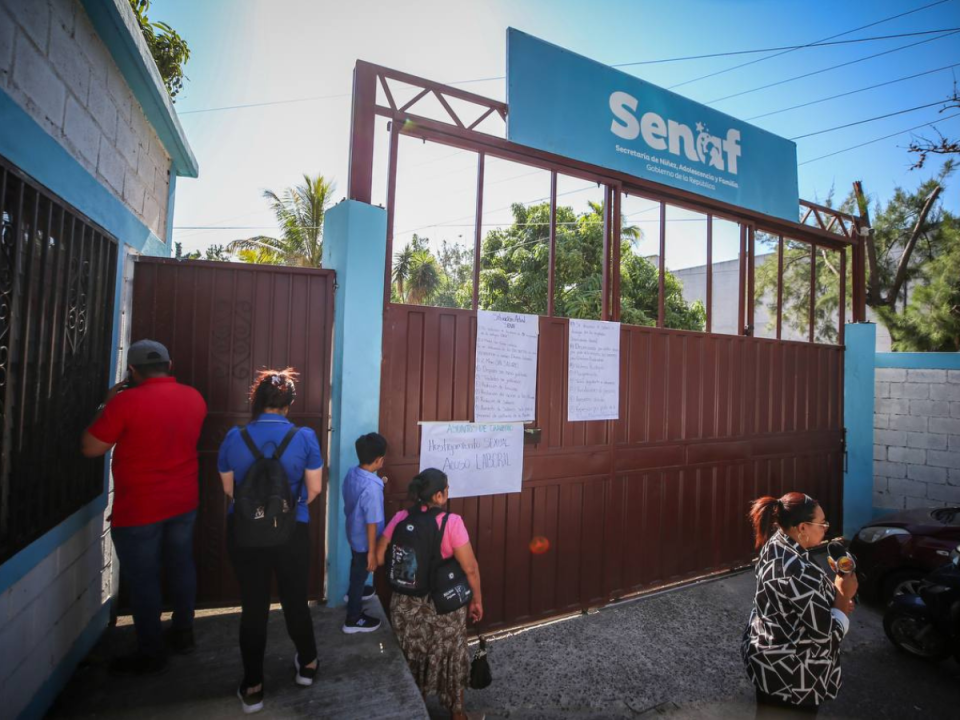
x: 903, y: 629
x: 898, y: 582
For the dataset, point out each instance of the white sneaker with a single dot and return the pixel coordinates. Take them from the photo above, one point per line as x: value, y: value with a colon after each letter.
x: 305, y: 675
x: 250, y: 702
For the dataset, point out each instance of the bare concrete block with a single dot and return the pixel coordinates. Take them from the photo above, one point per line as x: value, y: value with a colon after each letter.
x: 910, y: 423
x: 71, y: 65
x: 953, y: 476
x: 15, y: 639
x: 881, y: 389
x: 927, y: 376
x: 7, y: 32
x: 910, y: 456
x: 127, y: 143
x: 945, y: 493
x: 930, y: 408
x: 953, y: 442
x: 92, y: 46
x: 893, y: 407
x: 943, y: 459
x: 911, y: 391
x: 29, y: 675
x: 27, y: 588
x: 926, y: 441
x: 895, y: 438
x: 927, y: 474
x: 111, y: 166
x: 881, y: 421
x: 33, y: 74
x: 81, y: 130
x: 953, y: 376
x: 890, y: 469
x: 133, y: 191
x: 909, y: 488
x: 151, y: 214
x: 912, y: 503
x: 64, y: 14
x: 945, y: 391
x: 891, y: 375
x: 104, y: 110
x: 879, y: 452
x: 888, y: 501
x: 945, y: 426
x: 34, y: 17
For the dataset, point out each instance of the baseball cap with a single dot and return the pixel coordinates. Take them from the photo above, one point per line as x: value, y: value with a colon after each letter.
x: 145, y: 352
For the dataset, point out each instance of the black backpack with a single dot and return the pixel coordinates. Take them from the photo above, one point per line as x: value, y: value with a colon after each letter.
x: 265, y: 509
x: 411, y: 554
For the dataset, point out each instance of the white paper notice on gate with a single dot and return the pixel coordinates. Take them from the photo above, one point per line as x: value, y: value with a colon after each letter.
x: 478, y: 458
x: 506, y: 380
x: 593, y: 370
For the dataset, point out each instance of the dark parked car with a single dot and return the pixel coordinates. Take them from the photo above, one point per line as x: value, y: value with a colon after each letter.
x: 895, y: 551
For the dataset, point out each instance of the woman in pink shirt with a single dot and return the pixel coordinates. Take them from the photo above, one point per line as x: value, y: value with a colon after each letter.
x: 435, y: 646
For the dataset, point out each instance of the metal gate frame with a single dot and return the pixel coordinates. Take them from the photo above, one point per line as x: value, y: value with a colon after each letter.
x: 707, y: 439
x: 222, y: 321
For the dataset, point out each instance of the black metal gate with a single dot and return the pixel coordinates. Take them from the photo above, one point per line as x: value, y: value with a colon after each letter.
x: 57, y: 285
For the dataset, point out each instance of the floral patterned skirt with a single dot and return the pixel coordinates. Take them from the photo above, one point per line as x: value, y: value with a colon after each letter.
x: 435, y: 647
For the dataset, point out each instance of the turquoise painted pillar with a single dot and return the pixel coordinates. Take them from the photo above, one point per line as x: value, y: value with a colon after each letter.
x: 355, y: 246
x: 859, y: 362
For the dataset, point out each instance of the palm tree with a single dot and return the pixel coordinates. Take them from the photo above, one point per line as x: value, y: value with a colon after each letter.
x: 299, y: 212
x: 424, y: 278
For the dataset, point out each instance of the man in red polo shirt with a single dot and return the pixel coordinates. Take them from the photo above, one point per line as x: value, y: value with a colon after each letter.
x: 154, y: 423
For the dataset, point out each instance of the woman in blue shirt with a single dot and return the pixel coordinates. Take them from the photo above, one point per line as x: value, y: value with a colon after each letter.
x: 271, y: 396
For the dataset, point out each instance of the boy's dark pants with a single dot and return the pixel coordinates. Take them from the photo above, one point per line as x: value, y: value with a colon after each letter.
x: 358, y: 578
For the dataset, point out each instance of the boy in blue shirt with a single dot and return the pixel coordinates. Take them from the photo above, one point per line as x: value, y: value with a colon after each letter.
x: 363, y: 506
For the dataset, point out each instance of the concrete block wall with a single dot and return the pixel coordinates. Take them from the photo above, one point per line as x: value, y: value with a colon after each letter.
x: 54, y: 65
x: 916, y: 438
x: 44, y: 613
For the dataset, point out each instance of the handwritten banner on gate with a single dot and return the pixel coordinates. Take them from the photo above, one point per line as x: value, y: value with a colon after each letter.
x: 506, y: 379
x: 593, y: 370
x: 478, y: 458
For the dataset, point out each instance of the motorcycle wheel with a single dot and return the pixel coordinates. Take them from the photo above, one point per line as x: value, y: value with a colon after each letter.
x: 916, y: 636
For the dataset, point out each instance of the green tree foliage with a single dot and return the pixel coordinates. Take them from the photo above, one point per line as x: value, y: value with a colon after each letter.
x: 169, y: 50
x: 915, y: 243
x: 299, y: 211
x: 217, y: 253
x: 514, y: 271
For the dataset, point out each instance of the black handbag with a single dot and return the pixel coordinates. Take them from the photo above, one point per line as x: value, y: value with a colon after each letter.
x: 480, y: 676
x: 449, y: 590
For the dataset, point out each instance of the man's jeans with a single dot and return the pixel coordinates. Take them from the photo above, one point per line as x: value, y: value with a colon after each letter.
x: 358, y: 578
x: 142, y: 550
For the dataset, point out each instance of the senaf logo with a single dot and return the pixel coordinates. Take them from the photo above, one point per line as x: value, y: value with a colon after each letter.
x: 676, y: 138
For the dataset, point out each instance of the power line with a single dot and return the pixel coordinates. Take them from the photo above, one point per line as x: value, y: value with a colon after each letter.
x: 832, y: 67
x: 861, y: 122
x: 876, y: 140
x: 850, y: 92
x: 785, y: 52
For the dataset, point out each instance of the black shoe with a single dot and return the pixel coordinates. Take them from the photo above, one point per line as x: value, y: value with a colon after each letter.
x: 305, y: 675
x: 250, y: 702
x: 138, y: 664
x: 180, y: 641
x: 362, y: 624
x: 369, y: 592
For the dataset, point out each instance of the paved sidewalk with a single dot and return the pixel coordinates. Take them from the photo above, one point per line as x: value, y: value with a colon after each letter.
x: 361, y: 676
x: 677, y: 655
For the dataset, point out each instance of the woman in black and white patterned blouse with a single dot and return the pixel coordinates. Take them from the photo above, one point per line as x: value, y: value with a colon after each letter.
x: 791, y: 646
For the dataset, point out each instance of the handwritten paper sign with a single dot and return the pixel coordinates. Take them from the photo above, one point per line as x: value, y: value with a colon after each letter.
x: 478, y: 458
x: 506, y: 381
x: 593, y: 371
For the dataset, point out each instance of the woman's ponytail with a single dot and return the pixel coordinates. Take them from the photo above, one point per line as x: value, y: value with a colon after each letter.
x: 764, y: 516
x: 425, y: 485
x: 768, y: 513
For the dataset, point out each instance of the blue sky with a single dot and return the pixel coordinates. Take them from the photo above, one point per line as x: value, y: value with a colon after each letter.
x: 254, y: 51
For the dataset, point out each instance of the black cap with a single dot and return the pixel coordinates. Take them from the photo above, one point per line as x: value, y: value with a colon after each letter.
x: 146, y: 352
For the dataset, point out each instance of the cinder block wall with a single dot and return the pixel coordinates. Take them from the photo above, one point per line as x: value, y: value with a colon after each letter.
x: 916, y: 438
x: 54, y: 65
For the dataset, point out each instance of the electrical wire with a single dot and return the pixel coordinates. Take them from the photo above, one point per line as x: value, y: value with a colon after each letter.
x: 861, y: 122
x: 785, y: 52
x: 876, y: 140
x: 832, y: 67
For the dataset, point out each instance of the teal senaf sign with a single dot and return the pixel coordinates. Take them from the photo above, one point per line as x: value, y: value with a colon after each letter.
x: 566, y: 104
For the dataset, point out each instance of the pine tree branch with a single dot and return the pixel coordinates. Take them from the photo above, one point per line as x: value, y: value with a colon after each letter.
x: 911, y: 243
x: 873, y: 281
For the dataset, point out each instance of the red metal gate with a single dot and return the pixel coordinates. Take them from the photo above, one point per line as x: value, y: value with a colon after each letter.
x: 707, y: 421
x: 222, y: 322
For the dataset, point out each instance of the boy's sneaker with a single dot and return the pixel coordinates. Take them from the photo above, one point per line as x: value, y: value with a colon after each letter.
x: 369, y: 592
x: 305, y: 675
x: 138, y: 664
x: 250, y: 702
x: 362, y: 624
x: 181, y: 641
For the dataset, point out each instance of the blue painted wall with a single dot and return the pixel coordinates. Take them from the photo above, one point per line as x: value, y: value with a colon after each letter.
x: 354, y: 245
x: 919, y: 361
x: 858, y: 390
